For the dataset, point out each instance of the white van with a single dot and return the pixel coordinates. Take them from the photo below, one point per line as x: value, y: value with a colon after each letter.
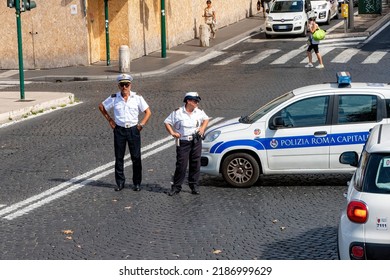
x: 287, y: 17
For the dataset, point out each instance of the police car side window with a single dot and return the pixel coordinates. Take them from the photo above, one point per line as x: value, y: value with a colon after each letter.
x: 307, y: 112
x: 357, y: 108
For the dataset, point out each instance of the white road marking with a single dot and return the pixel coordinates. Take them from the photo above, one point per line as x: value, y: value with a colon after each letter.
x: 345, y: 56
x: 323, y: 51
x: 8, y: 73
x: 229, y: 59
x: 286, y: 57
x: 261, y: 56
x: 78, y: 182
x: 204, y: 58
x: 2, y: 205
x: 375, y: 57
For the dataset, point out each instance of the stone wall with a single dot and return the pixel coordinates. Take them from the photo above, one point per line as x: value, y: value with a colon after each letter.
x: 59, y: 33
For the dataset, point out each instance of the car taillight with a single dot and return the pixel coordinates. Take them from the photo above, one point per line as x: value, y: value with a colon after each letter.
x: 357, y: 212
x: 357, y: 251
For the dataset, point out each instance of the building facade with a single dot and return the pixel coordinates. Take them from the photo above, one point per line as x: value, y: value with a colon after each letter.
x: 60, y: 33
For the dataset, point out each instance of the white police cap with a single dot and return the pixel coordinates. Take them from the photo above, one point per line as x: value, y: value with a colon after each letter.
x: 191, y: 95
x: 124, y: 78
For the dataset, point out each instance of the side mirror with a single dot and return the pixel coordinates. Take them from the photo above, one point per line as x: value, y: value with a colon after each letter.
x: 276, y: 123
x: 267, y: 11
x: 351, y: 158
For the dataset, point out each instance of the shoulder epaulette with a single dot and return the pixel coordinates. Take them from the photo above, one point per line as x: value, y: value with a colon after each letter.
x: 113, y: 95
x: 177, y: 109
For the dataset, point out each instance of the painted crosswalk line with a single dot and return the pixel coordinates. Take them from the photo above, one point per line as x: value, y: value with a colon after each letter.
x: 205, y: 58
x: 261, y: 56
x: 345, y: 56
x: 375, y: 57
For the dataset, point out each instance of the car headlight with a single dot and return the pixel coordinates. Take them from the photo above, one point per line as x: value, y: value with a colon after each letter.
x: 269, y: 18
x: 297, y: 17
x: 210, y: 137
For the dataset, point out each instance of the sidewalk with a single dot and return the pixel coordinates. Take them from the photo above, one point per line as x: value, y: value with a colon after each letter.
x: 12, y: 108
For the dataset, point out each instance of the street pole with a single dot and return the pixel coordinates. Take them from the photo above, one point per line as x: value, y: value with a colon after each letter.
x: 107, y: 33
x: 20, y: 48
x: 163, y: 36
x: 351, y: 24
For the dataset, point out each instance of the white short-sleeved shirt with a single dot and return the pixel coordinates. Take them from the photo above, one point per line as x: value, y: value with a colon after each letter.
x: 126, y: 113
x: 184, y: 123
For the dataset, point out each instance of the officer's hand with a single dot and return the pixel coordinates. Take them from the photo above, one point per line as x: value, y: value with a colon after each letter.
x: 112, y: 123
x: 176, y: 134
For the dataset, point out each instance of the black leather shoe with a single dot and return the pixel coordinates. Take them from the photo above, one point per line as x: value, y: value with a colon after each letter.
x: 119, y: 188
x: 173, y: 192
x: 195, y: 192
x: 137, y: 188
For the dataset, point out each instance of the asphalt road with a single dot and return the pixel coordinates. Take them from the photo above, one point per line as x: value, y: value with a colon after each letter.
x: 57, y: 176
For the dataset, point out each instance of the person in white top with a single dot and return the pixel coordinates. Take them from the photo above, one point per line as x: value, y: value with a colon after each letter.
x: 210, y: 18
x: 187, y: 125
x: 126, y: 106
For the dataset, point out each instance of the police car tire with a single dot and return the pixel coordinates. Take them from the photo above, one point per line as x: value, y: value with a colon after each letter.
x: 240, y: 170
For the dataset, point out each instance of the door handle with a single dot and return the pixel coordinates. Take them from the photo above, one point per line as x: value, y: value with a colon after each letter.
x: 320, y: 133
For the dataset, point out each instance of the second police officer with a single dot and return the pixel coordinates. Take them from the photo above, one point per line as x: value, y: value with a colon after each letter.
x: 187, y: 125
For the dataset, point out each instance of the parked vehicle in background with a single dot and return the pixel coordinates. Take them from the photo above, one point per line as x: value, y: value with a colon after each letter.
x: 363, y: 232
x: 287, y: 17
x: 325, y: 10
x: 302, y: 131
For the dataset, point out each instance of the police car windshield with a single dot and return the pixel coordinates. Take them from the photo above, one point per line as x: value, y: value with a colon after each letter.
x: 287, y: 7
x: 259, y: 113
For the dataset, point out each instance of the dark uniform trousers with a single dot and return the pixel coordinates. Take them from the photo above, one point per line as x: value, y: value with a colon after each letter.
x: 187, y: 152
x: 132, y: 137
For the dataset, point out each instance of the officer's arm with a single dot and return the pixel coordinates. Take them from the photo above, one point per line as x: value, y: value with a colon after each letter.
x: 202, y: 128
x: 170, y: 130
x: 145, y: 119
x: 106, y: 115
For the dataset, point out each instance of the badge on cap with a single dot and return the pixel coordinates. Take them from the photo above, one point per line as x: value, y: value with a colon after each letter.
x: 124, y: 78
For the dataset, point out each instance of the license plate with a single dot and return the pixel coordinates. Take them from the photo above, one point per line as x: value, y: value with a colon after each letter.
x: 282, y: 27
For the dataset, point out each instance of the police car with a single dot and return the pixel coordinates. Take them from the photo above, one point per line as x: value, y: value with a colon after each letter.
x: 302, y: 131
x: 364, y: 224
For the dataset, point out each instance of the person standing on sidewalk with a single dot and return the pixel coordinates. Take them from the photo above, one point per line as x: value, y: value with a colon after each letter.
x: 187, y: 125
x: 210, y: 18
x: 126, y: 106
x: 312, y: 26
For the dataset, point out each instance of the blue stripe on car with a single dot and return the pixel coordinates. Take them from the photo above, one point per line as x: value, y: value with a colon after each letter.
x: 294, y: 142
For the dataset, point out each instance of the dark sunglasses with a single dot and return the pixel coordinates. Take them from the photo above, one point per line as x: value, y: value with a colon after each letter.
x: 124, y: 84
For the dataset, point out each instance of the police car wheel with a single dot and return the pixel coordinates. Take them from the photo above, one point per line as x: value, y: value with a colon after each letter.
x: 240, y: 170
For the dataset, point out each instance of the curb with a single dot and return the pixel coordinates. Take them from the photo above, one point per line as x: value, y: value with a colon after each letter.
x: 18, y: 114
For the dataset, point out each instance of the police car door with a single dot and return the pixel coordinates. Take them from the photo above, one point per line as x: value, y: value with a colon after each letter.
x: 297, y: 135
x: 354, y: 115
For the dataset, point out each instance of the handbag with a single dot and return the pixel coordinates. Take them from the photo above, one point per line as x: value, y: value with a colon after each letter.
x: 319, y: 34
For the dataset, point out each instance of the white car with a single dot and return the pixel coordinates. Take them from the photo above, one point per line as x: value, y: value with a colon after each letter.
x: 302, y: 131
x: 365, y: 223
x: 325, y: 10
x: 287, y: 17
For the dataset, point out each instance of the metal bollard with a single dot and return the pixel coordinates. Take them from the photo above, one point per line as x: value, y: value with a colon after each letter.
x: 204, y: 35
x: 124, y: 59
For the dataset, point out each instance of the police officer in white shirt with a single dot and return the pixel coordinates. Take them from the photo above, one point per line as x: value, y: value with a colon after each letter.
x: 126, y: 106
x: 187, y: 125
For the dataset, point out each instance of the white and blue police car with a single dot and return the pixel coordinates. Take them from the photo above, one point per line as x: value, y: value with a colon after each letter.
x: 303, y: 131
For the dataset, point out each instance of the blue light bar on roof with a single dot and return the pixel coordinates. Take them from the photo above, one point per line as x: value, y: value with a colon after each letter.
x: 343, y: 79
